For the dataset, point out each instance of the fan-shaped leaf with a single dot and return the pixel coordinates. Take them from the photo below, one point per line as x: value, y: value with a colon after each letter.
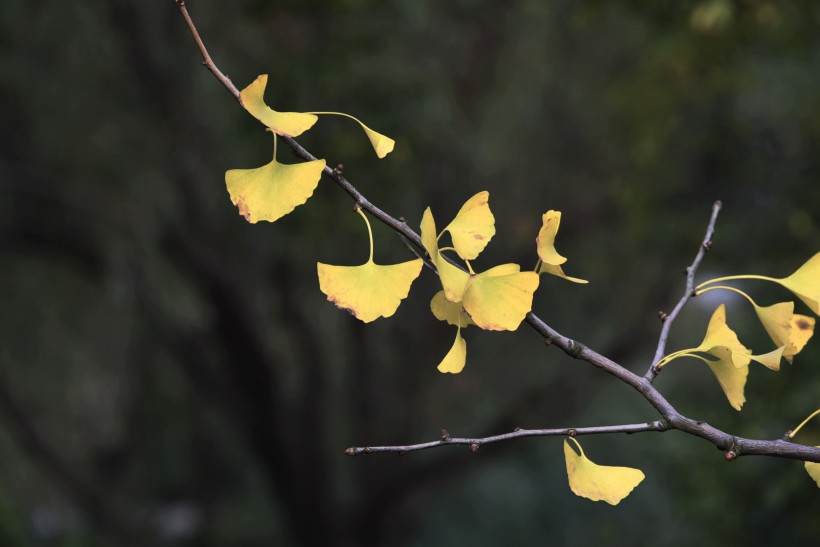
x: 273, y: 190
x: 452, y: 312
x: 599, y: 482
x: 500, y: 298
x: 368, y: 291
x: 473, y: 226
x: 456, y: 358
x: 805, y: 283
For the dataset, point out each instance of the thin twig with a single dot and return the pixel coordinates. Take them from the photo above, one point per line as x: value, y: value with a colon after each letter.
x: 688, y: 293
x: 658, y: 425
x: 733, y: 445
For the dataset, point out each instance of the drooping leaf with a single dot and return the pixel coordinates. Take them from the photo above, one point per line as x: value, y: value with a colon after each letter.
x: 777, y: 320
x: 453, y: 279
x: 813, y: 469
x: 452, y: 312
x: 558, y: 271
x: 599, y: 482
x: 550, y: 221
x: 770, y: 360
x: 500, y: 298
x: 473, y: 226
x: 273, y: 190
x: 290, y: 124
x: 382, y: 144
x: 456, y: 358
x: 371, y: 290
x: 805, y: 283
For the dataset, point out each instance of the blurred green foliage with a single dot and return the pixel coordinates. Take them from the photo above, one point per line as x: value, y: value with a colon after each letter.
x: 184, y: 366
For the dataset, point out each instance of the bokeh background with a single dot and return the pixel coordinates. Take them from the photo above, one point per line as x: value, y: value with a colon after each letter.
x: 171, y: 375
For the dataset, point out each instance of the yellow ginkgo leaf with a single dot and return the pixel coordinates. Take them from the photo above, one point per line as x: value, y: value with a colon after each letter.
x: 452, y: 312
x: 599, y: 482
x: 382, y: 144
x: 805, y: 283
x: 558, y: 271
x: 732, y: 378
x: 777, y: 320
x: 273, y: 190
x: 453, y: 279
x: 802, y: 330
x: 813, y: 469
x: 473, y: 226
x: 371, y: 290
x: 290, y: 124
x: 770, y: 360
x: 500, y: 298
x: 550, y: 221
x: 456, y: 358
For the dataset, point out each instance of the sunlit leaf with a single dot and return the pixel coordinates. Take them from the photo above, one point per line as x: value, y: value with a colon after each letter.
x: 453, y: 279
x: 732, y: 365
x: 368, y: 291
x: 599, y: 482
x: 813, y: 469
x: 557, y: 270
x: 473, y: 226
x: 500, y: 298
x: 452, y: 312
x: 805, y: 283
x: 291, y: 124
x: 550, y: 221
x: 273, y: 190
x: 456, y: 358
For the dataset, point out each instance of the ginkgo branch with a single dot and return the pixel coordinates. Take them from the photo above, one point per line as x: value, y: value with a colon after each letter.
x: 733, y: 445
x: 446, y: 440
x: 688, y: 293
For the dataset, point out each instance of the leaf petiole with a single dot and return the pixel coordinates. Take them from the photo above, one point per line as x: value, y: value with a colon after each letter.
x: 804, y: 422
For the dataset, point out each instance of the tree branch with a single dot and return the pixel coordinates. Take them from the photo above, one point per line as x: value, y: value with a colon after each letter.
x: 688, y: 293
x: 474, y: 444
x: 734, y: 446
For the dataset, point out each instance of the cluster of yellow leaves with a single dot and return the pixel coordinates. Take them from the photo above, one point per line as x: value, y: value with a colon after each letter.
x: 274, y: 190
x: 598, y: 482
x: 496, y: 299
x: 721, y: 349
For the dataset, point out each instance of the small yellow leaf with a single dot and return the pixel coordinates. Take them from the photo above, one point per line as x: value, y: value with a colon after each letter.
x: 802, y: 330
x: 290, y: 124
x: 453, y: 279
x: 550, y: 221
x: 813, y: 469
x: 273, y: 190
x: 456, y: 358
x: 557, y: 270
x: 776, y: 319
x: 473, y: 226
x: 499, y: 298
x: 599, y: 482
x: 381, y: 144
x: 368, y: 291
x: 452, y: 312
x: 805, y: 283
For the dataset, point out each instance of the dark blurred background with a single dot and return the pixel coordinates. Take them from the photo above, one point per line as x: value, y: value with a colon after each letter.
x: 171, y: 375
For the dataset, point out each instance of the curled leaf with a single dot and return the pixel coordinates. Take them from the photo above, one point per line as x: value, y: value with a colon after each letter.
x: 770, y: 360
x: 731, y: 367
x: 599, y: 482
x: 273, y: 190
x: 456, y: 358
x: 290, y: 124
x: 550, y: 221
x: 473, y: 226
x: 382, y: 144
x: 371, y: 290
x: 500, y: 298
